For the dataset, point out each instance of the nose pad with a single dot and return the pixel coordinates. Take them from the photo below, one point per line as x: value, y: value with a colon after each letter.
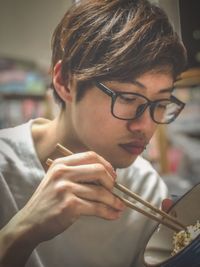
x: 140, y: 110
x: 143, y: 121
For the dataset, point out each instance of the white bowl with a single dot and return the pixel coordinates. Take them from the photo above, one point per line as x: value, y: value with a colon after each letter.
x: 160, y: 245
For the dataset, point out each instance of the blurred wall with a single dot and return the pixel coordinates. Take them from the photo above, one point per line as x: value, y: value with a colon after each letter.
x: 26, y: 27
x: 172, y: 9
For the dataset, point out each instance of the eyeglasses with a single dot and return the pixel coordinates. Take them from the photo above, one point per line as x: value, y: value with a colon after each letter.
x: 130, y: 106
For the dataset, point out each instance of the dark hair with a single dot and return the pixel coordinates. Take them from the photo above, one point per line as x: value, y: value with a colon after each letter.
x: 115, y: 40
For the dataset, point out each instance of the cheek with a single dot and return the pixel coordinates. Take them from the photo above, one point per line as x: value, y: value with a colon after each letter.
x: 94, y: 123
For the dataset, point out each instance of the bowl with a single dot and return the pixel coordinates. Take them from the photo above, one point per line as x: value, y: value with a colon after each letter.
x: 158, y: 251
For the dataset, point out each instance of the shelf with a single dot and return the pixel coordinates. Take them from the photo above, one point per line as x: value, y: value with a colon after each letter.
x: 20, y: 96
x: 187, y: 82
x: 189, y: 78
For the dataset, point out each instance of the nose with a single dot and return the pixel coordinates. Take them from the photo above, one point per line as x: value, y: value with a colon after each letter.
x: 143, y: 123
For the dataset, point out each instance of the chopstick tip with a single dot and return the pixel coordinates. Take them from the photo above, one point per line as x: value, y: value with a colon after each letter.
x: 49, y: 162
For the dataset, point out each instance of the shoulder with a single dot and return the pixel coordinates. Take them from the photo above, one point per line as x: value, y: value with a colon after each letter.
x: 12, y: 142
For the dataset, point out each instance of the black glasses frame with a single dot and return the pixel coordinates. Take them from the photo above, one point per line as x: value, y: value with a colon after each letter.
x: 143, y: 107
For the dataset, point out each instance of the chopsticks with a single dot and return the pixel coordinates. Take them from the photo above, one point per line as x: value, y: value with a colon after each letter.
x: 172, y: 223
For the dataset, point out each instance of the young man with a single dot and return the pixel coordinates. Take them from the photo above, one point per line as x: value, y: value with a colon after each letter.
x: 113, y: 67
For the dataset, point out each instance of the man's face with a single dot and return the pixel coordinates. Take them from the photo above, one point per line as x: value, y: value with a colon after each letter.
x: 118, y: 141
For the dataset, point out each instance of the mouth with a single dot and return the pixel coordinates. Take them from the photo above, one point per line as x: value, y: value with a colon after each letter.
x: 133, y: 148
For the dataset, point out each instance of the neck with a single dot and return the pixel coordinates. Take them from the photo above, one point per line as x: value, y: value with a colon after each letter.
x: 46, y: 134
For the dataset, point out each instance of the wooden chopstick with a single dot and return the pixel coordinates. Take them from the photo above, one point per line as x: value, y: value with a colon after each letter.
x: 147, y: 204
x: 133, y: 206
x: 176, y: 226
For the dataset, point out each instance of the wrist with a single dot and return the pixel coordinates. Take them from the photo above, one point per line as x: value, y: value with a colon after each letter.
x: 16, y: 243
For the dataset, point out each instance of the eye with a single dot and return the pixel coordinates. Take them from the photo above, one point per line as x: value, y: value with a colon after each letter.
x: 127, y: 98
x: 162, y: 105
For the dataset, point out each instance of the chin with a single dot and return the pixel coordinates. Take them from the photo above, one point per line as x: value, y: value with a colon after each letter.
x: 123, y: 164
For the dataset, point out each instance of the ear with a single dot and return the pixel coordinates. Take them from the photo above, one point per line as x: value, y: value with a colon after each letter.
x: 62, y: 88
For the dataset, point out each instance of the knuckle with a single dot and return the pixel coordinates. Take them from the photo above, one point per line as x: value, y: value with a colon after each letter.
x: 68, y: 187
x: 74, y: 206
x: 91, y: 155
x: 58, y: 171
x: 63, y: 187
x: 70, y: 206
x: 99, y: 167
x: 72, y: 202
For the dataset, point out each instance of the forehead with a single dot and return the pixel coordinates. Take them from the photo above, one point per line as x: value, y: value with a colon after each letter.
x: 154, y: 82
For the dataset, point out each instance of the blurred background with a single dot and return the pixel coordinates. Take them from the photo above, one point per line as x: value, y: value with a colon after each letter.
x: 26, y: 27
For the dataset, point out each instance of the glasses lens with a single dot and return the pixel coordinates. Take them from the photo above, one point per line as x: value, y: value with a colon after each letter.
x: 126, y: 106
x: 129, y: 106
x: 166, y: 111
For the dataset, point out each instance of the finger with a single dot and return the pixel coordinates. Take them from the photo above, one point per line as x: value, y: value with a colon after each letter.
x: 95, y: 193
x: 167, y: 204
x: 89, y: 208
x: 91, y: 173
x: 88, y: 157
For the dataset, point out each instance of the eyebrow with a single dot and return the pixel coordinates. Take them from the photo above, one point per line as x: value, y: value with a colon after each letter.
x: 164, y: 90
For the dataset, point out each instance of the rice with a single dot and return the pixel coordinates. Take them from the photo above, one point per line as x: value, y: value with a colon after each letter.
x: 185, y: 237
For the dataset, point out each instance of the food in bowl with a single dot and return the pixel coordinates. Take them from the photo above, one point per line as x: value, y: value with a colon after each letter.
x: 158, y: 250
x: 185, y: 237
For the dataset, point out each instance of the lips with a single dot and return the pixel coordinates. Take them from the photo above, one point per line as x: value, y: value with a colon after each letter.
x: 134, y: 148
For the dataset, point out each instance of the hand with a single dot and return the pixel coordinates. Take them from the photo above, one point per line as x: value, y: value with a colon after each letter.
x: 80, y: 184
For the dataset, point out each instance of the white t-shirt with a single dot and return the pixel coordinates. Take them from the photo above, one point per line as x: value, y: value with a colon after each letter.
x: 90, y: 241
